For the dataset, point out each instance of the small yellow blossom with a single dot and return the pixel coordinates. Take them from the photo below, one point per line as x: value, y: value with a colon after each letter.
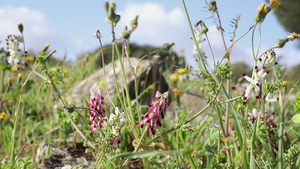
x: 9, y: 80
x: 54, y: 69
x: 101, y: 84
x: 201, y: 89
x: 20, y: 75
x: 181, y: 70
x: 285, y: 82
x: 175, y: 91
x: 239, y: 106
x: 45, y: 48
x: 274, y: 4
x: 261, y: 13
x: 29, y: 58
x: 65, y: 71
x: 174, y: 77
x: 2, y: 115
x: 14, y: 68
x: 152, y: 87
x: 20, y: 27
x: 230, y: 73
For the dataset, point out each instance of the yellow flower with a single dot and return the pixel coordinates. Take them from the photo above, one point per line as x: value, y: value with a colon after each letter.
x: 9, y: 80
x: 2, y: 115
x: 101, y: 84
x: 285, y: 82
x: 20, y: 75
x: 174, y: 77
x: 65, y: 71
x: 29, y: 58
x: 21, y: 28
x: 274, y: 4
x: 201, y: 89
x: 181, y: 70
x: 14, y: 68
x: 230, y: 73
x: 261, y: 13
x: 54, y: 69
x: 175, y: 91
x: 152, y: 87
x: 45, y: 48
x: 239, y: 106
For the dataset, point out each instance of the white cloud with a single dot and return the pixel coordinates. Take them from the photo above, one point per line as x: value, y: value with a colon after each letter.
x: 156, y: 25
x: 38, y: 30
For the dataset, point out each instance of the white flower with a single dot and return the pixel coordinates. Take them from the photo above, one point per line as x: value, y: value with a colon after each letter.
x: 15, y: 54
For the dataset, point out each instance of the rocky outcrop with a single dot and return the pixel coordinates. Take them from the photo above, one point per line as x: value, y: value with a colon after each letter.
x: 147, y: 73
x: 60, y: 157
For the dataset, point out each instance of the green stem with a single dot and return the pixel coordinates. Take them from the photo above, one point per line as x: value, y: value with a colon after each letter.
x: 194, y: 38
x: 126, y: 90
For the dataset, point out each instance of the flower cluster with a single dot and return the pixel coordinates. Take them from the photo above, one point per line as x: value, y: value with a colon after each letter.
x: 15, y: 54
x: 96, y: 110
x: 155, y: 112
x: 254, y: 83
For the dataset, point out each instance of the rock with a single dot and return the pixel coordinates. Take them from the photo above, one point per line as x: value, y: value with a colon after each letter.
x: 83, y: 88
x: 60, y: 157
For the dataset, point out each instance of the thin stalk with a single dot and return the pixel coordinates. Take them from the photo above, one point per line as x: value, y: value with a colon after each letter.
x: 210, y: 49
x: 104, y: 72
x: 194, y: 38
x: 68, y: 114
x: 126, y: 90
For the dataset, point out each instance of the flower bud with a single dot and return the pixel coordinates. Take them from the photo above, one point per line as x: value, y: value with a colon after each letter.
x: 98, y: 34
x: 134, y: 23
x: 2, y: 115
x: 213, y: 6
x: 204, y: 29
x: 20, y: 27
x: 9, y: 80
x: 167, y: 46
x: 106, y: 6
x: 274, y: 4
x: 20, y: 75
x: 261, y: 13
x: 112, y: 5
x: 281, y: 42
x: 126, y: 34
x: 46, y: 47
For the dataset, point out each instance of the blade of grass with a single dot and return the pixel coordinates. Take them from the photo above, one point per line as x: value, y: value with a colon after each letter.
x: 187, y: 151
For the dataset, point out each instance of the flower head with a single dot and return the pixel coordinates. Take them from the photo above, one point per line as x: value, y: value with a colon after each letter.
x: 274, y: 4
x: 15, y: 54
x: 254, y: 83
x: 155, y: 112
x: 2, y: 115
x: 96, y: 110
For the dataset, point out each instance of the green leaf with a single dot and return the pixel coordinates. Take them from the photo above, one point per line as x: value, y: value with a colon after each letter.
x: 109, y: 166
x: 297, y: 104
x: 296, y: 118
x: 4, y: 66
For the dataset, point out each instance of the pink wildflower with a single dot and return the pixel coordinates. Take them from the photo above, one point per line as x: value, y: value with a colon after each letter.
x: 96, y: 110
x: 155, y: 112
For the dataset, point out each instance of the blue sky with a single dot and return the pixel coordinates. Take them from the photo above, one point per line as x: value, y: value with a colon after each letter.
x: 69, y: 25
